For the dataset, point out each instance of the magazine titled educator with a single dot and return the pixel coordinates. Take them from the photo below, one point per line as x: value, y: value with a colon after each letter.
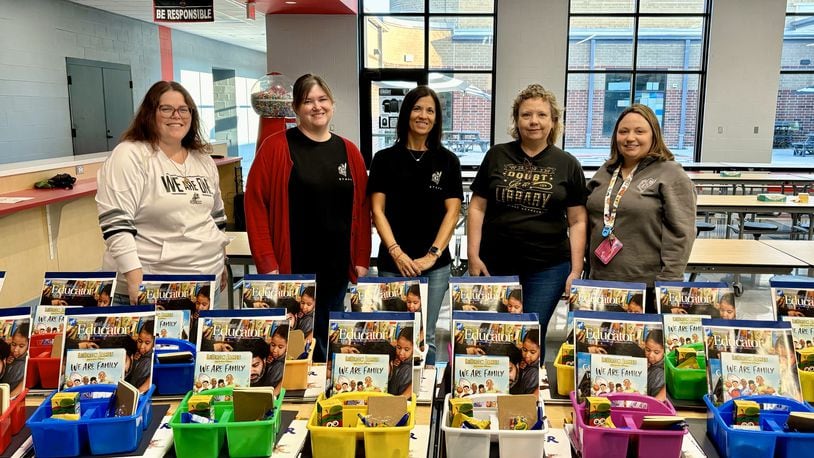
x: 750, y: 357
x: 394, y: 294
x: 262, y: 333
x: 388, y: 335
x: 294, y: 293
x: 486, y: 294
x: 178, y: 300
x: 792, y: 298
x: 618, y: 352
x: 103, y: 345
x: 604, y: 296
x: 685, y: 304
x: 15, y: 332
x: 70, y: 289
x: 510, y: 347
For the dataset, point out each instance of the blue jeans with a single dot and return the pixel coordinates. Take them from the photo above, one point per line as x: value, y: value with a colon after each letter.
x: 541, y: 292
x: 329, y: 299
x: 436, y: 289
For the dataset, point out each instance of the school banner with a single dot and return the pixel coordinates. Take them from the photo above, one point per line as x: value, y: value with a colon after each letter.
x: 183, y: 11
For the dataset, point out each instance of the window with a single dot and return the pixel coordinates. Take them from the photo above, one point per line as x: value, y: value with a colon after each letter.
x: 446, y: 44
x: 621, y: 52
x: 793, y: 141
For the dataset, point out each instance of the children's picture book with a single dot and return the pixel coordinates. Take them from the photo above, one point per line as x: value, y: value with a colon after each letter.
x: 394, y: 294
x: 261, y: 332
x: 93, y: 366
x: 755, y: 339
x: 481, y: 374
x: 714, y: 299
x: 357, y: 372
x: 15, y: 332
x: 514, y: 338
x: 486, y: 294
x: 391, y: 334
x: 84, y: 289
x: 189, y: 294
x: 49, y: 319
x: 172, y: 324
x: 218, y: 369
x: 802, y: 331
x: 622, y: 337
x: 680, y: 330
x: 792, y: 298
x: 129, y: 328
x: 294, y: 293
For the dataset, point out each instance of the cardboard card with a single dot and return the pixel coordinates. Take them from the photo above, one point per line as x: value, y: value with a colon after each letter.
x: 387, y: 407
x: 801, y: 421
x: 175, y: 357
x: 660, y: 421
x: 5, y: 397
x: 523, y: 405
x: 125, y: 399
x: 296, y: 344
x: 56, y: 348
x: 252, y: 404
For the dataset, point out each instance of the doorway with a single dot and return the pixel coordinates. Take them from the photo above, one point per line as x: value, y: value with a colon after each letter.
x: 223, y: 86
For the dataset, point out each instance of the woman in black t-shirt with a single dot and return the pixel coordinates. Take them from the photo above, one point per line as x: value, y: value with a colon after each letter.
x: 416, y: 195
x: 527, y: 216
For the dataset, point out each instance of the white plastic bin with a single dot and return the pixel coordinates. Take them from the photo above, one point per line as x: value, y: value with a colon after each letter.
x: 475, y: 443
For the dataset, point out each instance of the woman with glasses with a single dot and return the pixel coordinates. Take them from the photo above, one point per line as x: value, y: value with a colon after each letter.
x: 306, y: 208
x: 158, y: 197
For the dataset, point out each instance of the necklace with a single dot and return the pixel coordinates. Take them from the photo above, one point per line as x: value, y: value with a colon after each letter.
x: 182, y: 172
x: 416, y: 158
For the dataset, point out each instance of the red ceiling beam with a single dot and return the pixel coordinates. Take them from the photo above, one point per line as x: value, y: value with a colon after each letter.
x: 307, y: 7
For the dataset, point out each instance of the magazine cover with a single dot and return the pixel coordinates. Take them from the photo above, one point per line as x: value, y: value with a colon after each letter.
x: 685, y: 304
x: 514, y: 337
x: 802, y: 331
x: 94, y: 366
x: 481, y: 374
x: 385, y: 333
x: 15, y: 331
x: 394, y: 294
x: 626, y: 336
x: 129, y: 328
x: 189, y: 294
x: 2, y: 279
x: 486, y: 294
x: 84, y: 289
x: 603, y: 296
x: 357, y: 372
x: 792, y: 298
x: 262, y: 332
x: 754, y: 338
x: 218, y: 369
x: 294, y: 293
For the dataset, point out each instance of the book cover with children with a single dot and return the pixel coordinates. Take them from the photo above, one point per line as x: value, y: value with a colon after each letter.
x: 131, y: 328
x: 172, y: 324
x: 603, y: 296
x: 685, y: 304
x: 480, y: 374
x: 515, y: 337
x: 357, y: 372
x: 94, y: 366
x: 384, y: 333
x: 486, y: 294
x: 626, y: 335
x: 83, y: 289
x: 802, y: 331
x: 15, y: 332
x: 218, y: 369
x: 294, y: 293
x: 792, y: 298
x: 617, y: 374
x: 261, y: 332
x: 189, y: 294
x: 749, y: 337
x: 746, y: 374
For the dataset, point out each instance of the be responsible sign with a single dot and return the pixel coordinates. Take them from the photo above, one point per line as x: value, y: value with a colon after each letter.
x: 183, y: 11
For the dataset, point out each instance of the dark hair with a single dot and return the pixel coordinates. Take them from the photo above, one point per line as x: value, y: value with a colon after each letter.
x: 728, y: 298
x: 143, y: 128
x: 282, y: 331
x: 21, y: 330
x: 415, y: 290
x: 106, y: 289
x: 637, y: 298
x: 126, y: 342
x: 533, y: 335
x: 309, y: 291
x: 204, y: 291
x: 258, y: 347
x: 655, y: 335
x: 288, y: 303
x: 303, y: 86
x: 403, y: 124
x: 148, y: 327
x: 407, y: 333
x: 658, y: 149
x: 5, y: 350
x: 516, y: 293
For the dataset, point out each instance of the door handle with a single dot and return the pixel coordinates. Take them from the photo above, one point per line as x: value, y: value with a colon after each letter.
x: 108, y: 134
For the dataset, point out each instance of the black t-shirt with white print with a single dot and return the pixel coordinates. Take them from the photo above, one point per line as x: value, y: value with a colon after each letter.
x: 525, y: 228
x: 320, y: 198
x: 415, y: 191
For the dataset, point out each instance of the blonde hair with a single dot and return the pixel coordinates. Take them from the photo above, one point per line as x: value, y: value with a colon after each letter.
x: 658, y: 149
x: 537, y: 91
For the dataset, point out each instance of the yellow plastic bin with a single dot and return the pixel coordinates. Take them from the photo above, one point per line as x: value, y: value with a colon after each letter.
x: 807, y: 385
x: 565, y: 373
x: 341, y: 442
x: 295, y: 376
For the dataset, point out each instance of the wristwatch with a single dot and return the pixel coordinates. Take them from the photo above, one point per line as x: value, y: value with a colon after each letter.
x: 435, y: 251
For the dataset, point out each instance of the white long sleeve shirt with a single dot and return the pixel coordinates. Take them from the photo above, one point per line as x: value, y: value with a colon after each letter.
x: 155, y: 214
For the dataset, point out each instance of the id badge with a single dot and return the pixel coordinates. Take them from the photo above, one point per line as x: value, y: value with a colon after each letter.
x: 608, y: 249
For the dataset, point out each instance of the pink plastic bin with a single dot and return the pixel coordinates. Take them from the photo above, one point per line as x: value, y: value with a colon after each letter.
x: 627, y: 416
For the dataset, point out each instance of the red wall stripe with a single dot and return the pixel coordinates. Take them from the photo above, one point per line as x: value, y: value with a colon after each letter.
x: 165, y: 47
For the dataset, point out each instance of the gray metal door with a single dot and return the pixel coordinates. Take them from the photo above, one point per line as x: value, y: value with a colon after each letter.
x: 87, y: 102
x: 118, y: 103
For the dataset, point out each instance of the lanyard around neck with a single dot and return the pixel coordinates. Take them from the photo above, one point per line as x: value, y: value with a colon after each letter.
x: 609, y: 215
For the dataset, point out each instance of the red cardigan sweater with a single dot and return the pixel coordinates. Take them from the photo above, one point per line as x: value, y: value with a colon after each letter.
x: 266, y: 207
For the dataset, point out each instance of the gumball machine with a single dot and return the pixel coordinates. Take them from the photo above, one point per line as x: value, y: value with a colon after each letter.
x: 271, y: 99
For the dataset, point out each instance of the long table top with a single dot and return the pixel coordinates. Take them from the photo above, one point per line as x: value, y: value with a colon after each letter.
x: 799, y: 249
x: 749, y: 203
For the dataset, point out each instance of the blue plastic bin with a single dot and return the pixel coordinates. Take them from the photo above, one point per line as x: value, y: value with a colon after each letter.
x: 771, y: 441
x: 96, y: 432
x: 173, y: 378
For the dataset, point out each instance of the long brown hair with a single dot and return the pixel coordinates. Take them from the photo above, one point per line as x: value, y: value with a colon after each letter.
x: 537, y: 91
x: 143, y: 128
x: 658, y: 149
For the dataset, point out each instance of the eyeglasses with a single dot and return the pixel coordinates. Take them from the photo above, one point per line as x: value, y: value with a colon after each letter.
x: 168, y: 111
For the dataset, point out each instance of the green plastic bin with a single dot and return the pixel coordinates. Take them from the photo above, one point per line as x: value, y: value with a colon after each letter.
x: 686, y: 384
x: 243, y: 438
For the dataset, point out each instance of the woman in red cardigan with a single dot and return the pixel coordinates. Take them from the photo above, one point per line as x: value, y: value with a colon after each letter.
x: 306, y: 208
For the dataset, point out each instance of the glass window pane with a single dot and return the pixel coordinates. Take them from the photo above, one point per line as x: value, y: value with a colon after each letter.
x: 385, y: 102
x: 393, y: 6
x: 798, y: 44
x: 800, y: 6
x: 794, y: 121
x: 461, y: 43
x: 458, y: 6
x: 394, y: 42
x: 669, y: 43
x: 600, y: 43
x: 674, y: 99
x: 603, y: 6
x: 466, y: 100
x: 672, y: 6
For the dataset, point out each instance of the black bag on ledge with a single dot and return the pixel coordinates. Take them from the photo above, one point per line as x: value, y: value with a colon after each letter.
x: 61, y: 180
